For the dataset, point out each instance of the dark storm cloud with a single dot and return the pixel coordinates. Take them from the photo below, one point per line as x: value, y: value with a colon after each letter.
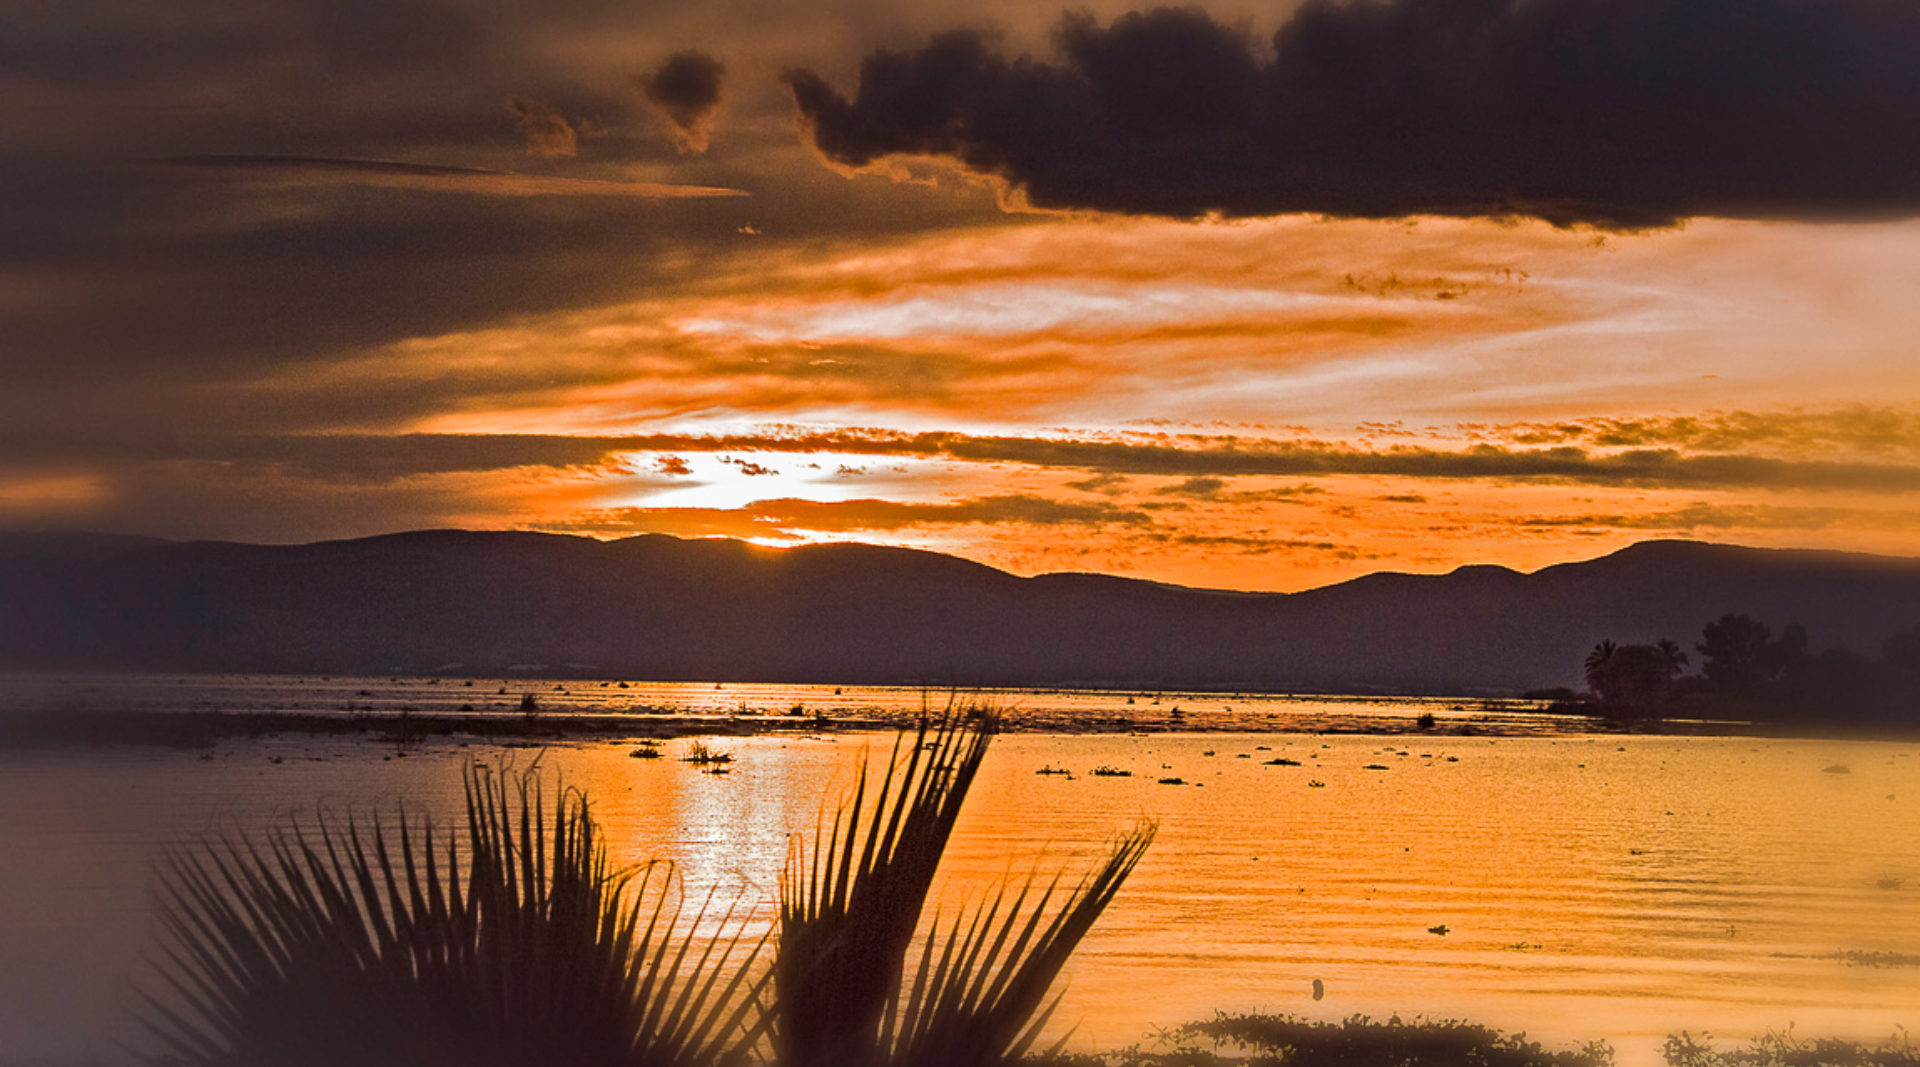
x: 686, y: 92
x: 1618, y: 113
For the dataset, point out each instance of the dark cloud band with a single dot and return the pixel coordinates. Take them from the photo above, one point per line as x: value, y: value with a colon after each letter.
x: 1205, y: 458
x: 779, y: 517
x: 1617, y: 113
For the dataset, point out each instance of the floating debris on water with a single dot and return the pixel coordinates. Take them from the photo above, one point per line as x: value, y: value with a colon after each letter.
x: 704, y: 756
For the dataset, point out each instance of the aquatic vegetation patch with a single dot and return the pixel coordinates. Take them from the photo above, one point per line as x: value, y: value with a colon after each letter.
x: 1357, y: 1041
x: 1784, y: 1048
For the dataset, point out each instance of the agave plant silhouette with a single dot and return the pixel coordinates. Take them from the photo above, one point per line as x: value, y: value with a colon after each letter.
x: 339, y: 946
x: 851, y: 904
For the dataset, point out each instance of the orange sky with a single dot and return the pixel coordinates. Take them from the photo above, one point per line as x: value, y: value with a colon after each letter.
x: 1760, y: 342
x: 517, y: 321
x: 1320, y: 399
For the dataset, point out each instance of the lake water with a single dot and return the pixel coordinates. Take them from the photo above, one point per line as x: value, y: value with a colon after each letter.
x: 1592, y: 886
x: 1046, y: 709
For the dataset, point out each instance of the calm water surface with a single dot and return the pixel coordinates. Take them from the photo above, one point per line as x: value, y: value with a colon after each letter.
x: 1026, y: 708
x: 1591, y: 886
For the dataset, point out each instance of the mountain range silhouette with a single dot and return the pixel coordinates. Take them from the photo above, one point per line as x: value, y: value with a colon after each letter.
x: 662, y: 608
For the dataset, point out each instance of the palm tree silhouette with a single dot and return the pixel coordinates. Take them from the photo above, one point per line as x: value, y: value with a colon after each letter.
x: 1596, y: 666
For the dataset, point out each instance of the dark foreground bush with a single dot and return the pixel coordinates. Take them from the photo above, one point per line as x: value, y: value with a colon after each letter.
x: 1787, y: 1050
x: 1362, y: 1042
x: 1287, y: 1041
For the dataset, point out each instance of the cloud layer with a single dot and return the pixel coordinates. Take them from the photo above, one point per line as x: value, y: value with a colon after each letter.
x: 1203, y: 461
x: 394, y: 174
x: 1618, y: 113
x: 1237, y: 510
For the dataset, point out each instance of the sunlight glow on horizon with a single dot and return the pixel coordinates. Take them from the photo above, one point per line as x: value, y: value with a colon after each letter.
x: 1073, y: 332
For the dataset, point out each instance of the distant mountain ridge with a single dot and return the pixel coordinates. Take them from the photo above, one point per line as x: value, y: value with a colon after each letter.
x: 662, y: 608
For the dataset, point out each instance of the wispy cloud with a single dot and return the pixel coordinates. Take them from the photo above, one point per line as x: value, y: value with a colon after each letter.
x: 786, y: 518
x: 1710, y: 516
x: 1028, y: 307
x: 1858, y: 428
x: 549, y: 135
x: 423, y: 177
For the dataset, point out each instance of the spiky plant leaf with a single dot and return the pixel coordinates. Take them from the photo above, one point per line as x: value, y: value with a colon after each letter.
x: 979, y: 996
x: 392, y: 945
x: 852, y: 901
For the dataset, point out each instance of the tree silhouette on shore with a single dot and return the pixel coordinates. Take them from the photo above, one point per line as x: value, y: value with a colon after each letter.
x: 1747, y: 672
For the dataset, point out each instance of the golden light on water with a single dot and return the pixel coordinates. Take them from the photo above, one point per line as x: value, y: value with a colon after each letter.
x: 1582, y: 887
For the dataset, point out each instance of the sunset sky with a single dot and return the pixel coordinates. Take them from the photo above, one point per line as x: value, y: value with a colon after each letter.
x: 1250, y: 295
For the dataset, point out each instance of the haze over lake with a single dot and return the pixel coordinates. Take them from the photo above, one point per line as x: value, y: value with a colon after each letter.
x: 1588, y: 885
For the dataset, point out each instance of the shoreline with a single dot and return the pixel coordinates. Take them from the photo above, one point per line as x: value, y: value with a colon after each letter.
x: 110, y: 709
x: 90, y: 728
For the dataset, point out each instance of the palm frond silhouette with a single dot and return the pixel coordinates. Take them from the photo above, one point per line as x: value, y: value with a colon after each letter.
x: 852, y: 902
x: 514, y: 943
